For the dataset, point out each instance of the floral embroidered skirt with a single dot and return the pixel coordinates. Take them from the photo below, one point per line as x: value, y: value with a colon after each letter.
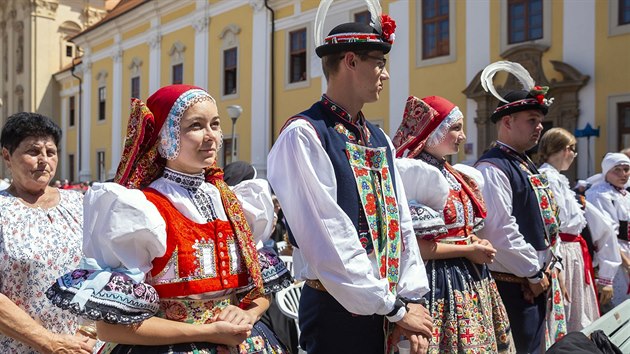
x: 467, y: 310
x: 262, y: 339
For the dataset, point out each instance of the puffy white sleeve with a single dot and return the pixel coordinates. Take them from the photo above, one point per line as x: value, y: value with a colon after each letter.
x: 604, y: 238
x: 255, y: 198
x: 514, y: 255
x: 416, y: 176
x: 472, y: 172
x: 121, y: 228
x: 603, y: 201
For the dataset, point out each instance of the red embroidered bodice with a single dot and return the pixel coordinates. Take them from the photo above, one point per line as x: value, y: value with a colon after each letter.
x: 458, y: 212
x: 199, y: 258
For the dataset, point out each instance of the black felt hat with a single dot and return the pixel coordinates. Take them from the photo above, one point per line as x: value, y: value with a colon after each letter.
x: 353, y: 36
x: 518, y: 101
x: 531, y: 97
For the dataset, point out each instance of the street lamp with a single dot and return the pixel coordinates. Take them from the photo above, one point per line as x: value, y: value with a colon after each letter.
x: 234, y: 111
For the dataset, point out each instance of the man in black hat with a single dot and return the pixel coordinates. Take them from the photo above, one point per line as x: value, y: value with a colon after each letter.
x: 522, y: 222
x: 345, y: 206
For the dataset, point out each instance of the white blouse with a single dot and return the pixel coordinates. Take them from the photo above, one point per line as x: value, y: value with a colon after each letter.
x: 303, y: 179
x: 573, y: 220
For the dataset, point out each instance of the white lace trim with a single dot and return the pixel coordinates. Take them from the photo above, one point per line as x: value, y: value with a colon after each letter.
x: 438, y: 135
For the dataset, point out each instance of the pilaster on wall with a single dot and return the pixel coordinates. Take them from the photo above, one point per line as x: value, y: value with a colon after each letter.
x: 260, y: 90
x: 86, y: 118
x: 399, y: 65
x: 116, y: 147
x: 155, y: 48
x: 200, y: 24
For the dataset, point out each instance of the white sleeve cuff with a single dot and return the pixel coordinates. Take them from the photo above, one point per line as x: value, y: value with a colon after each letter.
x: 398, y: 316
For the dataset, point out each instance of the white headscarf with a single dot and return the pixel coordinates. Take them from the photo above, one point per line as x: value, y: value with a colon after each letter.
x: 613, y: 159
x: 609, y: 162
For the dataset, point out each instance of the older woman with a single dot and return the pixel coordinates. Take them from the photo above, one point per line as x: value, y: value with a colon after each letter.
x: 467, y: 310
x: 557, y: 150
x: 173, y: 255
x: 609, y: 195
x: 40, y: 240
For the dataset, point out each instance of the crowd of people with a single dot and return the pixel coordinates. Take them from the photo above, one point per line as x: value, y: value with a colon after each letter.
x: 399, y: 250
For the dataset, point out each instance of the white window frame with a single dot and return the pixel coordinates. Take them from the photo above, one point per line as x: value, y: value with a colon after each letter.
x: 233, y: 151
x: 101, y: 78
x: 612, y: 119
x: 229, y: 40
x: 357, y: 11
x: 177, y: 57
x: 613, y: 17
x: 288, y: 85
x: 135, y: 71
x: 72, y: 126
x: 503, y: 33
x: 452, y: 40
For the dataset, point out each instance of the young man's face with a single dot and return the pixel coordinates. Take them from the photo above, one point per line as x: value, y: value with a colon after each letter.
x: 525, y: 129
x: 372, y: 74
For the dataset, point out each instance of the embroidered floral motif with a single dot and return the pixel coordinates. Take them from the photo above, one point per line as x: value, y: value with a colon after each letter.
x: 140, y: 163
x: 341, y: 129
x: 377, y: 197
x: 548, y: 207
x: 556, y: 324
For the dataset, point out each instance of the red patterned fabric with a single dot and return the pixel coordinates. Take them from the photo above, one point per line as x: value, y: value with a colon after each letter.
x: 419, y: 120
x: 472, y: 190
x: 186, y: 244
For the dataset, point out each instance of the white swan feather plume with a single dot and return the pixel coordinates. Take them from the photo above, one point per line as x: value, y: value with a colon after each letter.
x: 515, y: 69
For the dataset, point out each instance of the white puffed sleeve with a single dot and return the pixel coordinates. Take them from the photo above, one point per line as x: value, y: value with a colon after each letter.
x: 472, y: 172
x: 255, y: 198
x: 423, y: 183
x: 121, y: 228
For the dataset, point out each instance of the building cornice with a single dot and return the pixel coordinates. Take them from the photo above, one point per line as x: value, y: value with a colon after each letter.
x: 309, y: 16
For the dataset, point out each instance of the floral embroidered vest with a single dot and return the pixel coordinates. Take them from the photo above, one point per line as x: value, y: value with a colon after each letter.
x: 199, y: 258
x: 532, y: 200
x: 366, y: 191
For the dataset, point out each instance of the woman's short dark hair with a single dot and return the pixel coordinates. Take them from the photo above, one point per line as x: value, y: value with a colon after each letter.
x: 23, y: 125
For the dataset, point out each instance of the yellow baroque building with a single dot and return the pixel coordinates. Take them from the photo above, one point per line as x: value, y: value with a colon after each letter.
x: 259, y: 55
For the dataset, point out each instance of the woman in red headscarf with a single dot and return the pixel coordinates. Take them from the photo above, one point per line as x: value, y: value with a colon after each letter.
x: 447, y: 210
x: 170, y: 263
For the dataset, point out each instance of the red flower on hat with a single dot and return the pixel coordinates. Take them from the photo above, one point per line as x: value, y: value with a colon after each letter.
x: 388, y: 26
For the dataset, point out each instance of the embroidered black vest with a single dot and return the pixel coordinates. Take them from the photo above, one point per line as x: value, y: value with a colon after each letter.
x: 326, y: 124
x: 525, y: 207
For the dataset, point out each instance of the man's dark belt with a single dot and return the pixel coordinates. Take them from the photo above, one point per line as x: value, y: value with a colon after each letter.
x: 316, y: 284
x: 508, y: 278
